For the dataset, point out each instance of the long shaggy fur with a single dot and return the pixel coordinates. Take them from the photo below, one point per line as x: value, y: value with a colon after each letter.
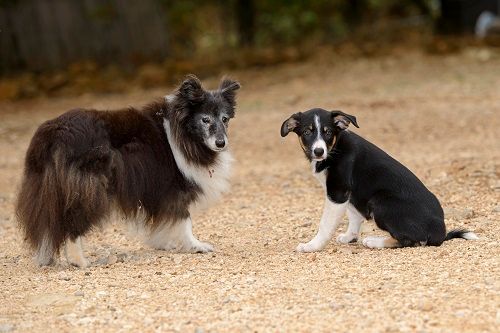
x: 84, y: 162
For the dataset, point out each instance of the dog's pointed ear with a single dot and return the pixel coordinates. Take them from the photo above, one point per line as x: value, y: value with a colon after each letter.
x: 290, y: 124
x: 342, y: 120
x: 191, y: 90
x: 228, y: 89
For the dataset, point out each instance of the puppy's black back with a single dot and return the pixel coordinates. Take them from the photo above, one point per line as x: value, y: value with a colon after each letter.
x: 380, y: 187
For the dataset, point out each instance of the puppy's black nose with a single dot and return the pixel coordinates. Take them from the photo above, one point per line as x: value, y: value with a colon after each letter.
x: 220, y: 143
x: 318, y: 151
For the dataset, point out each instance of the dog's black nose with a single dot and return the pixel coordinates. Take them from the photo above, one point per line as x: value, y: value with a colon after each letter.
x: 220, y: 143
x: 318, y: 151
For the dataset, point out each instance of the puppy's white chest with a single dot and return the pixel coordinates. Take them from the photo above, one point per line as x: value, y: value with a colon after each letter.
x: 320, y: 176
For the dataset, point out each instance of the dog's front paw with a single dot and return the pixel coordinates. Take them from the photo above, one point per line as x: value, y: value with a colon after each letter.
x: 347, y: 238
x: 307, y: 247
x: 201, y: 247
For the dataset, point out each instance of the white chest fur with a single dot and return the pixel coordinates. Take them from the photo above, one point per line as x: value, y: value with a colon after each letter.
x: 213, y: 181
x: 320, y: 176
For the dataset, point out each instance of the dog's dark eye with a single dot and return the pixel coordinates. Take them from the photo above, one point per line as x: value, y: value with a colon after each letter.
x: 206, y: 120
x: 225, y: 119
x: 328, y: 131
x: 307, y: 132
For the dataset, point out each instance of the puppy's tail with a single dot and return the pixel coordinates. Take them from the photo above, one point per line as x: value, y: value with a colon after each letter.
x: 461, y: 233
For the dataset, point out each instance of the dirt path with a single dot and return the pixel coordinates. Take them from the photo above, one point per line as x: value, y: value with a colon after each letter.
x: 439, y: 116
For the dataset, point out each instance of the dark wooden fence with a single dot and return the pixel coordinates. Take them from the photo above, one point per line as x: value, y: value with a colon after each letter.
x: 42, y: 35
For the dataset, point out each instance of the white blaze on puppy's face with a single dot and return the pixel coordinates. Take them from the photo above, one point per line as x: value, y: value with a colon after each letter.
x: 320, y: 144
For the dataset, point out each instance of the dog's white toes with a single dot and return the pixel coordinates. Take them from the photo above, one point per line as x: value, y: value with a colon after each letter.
x: 373, y: 242
x: 202, y: 247
x: 347, y: 238
x: 81, y: 262
x: 306, y: 247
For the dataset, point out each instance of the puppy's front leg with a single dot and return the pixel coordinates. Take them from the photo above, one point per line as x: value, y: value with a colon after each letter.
x: 332, y: 215
x: 355, y: 221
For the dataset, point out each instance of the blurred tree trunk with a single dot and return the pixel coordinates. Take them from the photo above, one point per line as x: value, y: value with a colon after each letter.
x: 353, y: 12
x: 245, y: 13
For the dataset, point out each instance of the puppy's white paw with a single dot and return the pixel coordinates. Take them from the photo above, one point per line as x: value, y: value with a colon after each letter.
x: 347, y: 238
x: 201, y: 247
x: 307, y: 247
x: 374, y: 242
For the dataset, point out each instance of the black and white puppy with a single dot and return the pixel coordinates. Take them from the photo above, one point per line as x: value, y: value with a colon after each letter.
x: 366, y: 183
x: 156, y: 165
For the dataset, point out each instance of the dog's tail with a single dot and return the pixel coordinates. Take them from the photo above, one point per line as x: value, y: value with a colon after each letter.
x: 461, y: 233
x: 59, y: 198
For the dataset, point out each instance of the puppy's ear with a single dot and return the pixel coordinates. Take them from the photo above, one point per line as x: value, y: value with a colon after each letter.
x: 191, y: 90
x: 228, y: 89
x: 290, y: 124
x: 342, y: 120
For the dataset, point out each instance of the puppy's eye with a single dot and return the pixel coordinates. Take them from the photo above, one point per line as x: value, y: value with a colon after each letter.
x: 225, y: 120
x: 307, y: 132
x: 328, y: 131
x: 206, y: 120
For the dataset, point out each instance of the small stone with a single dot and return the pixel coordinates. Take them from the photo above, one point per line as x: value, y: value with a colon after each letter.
x: 426, y: 306
x: 250, y: 280
x: 495, y: 185
x: 112, y: 259
x: 496, y: 209
x: 442, y: 254
x: 306, y: 224
x: 313, y: 257
x: 4, y: 328
x: 90, y: 310
x: 345, y: 250
x: 79, y: 293
x: 335, y: 306
x: 53, y: 299
x: 458, y: 214
x: 158, y: 273
x: 87, y: 273
x: 177, y: 260
x: 121, y: 257
x: 230, y: 299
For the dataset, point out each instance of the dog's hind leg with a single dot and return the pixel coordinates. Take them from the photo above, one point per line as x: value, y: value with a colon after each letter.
x: 355, y: 221
x: 332, y: 215
x: 74, y: 253
x: 45, y: 252
x: 380, y: 242
x: 178, y: 236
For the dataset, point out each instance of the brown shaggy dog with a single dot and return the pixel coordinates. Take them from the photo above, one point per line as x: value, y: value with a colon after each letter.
x: 159, y: 163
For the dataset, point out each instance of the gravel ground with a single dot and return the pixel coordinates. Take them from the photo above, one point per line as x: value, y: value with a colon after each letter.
x: 438, y: 115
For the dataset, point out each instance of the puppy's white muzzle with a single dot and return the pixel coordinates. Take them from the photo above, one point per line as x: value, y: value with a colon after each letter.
x: 319, y: 151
